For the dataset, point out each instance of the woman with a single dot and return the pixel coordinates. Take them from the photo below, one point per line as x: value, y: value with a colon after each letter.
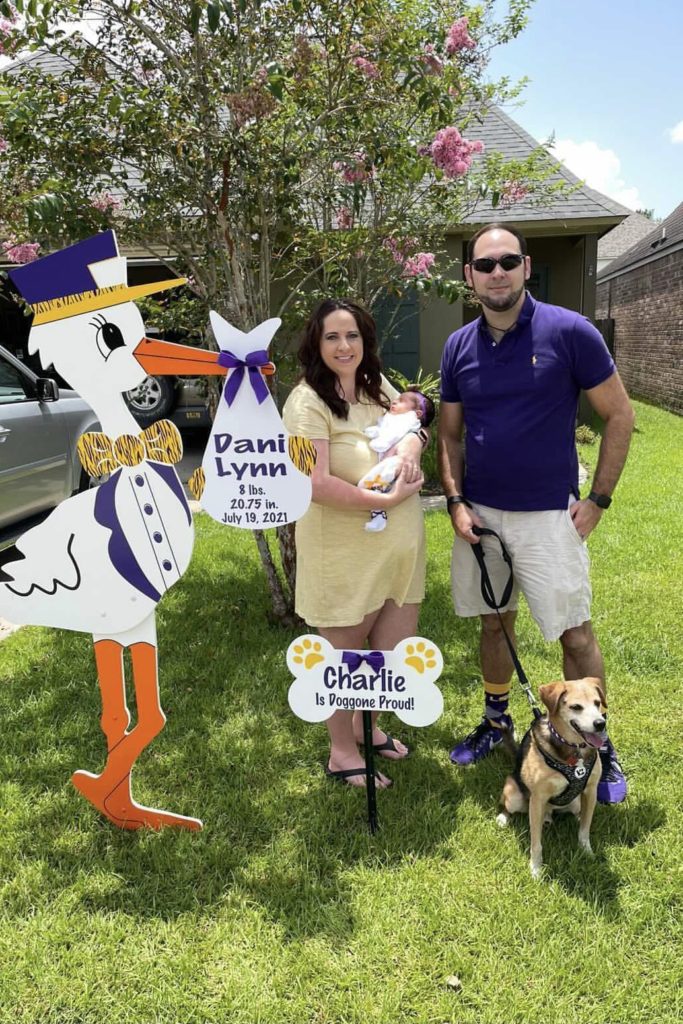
x: 355, y: 587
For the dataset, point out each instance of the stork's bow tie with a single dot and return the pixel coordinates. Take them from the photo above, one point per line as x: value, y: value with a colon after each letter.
x: 100, y: 454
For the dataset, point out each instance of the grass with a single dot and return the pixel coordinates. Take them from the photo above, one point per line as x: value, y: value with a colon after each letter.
x: 284, y: 910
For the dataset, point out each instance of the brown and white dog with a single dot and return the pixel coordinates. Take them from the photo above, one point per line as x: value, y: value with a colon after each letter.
x: 558, y: 767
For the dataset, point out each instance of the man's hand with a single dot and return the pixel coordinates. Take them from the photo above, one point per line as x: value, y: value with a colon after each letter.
x: 463, y: 519
x: 585, y: 515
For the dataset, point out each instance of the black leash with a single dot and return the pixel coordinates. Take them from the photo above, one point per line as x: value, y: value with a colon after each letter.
x: 489, y: 596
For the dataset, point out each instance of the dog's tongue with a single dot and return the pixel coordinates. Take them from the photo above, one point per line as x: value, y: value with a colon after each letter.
x: 595, y: 739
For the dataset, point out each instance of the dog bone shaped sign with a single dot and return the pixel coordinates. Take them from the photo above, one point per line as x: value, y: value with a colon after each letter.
x: 328, y: 680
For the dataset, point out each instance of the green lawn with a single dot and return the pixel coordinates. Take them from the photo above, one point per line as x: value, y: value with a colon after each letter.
x: 284, y: 910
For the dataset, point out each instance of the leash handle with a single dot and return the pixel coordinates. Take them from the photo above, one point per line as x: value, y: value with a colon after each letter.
x: 489, y: 596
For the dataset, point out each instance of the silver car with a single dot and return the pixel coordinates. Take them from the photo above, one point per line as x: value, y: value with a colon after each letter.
x: 40, y: 424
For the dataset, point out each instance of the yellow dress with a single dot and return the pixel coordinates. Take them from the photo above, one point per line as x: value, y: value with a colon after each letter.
x: 344, y: 572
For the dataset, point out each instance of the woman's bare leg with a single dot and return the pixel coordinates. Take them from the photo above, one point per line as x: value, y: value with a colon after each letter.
x: 344, y: 752
x: 391, y: 625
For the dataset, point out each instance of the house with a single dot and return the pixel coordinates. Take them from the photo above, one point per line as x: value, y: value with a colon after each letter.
x: 562, y: 239
x: 639, y: 306
x: 620, y: 239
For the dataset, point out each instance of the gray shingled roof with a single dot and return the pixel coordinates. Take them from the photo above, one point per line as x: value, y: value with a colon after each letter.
x: 663, y: 239
x: 503, y: 135
x: 620, y: 239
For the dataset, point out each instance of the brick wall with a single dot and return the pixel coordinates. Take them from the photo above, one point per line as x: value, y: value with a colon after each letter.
x: 646, y: 305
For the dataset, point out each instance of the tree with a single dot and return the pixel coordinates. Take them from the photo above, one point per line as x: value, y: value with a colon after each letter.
x: 278, y: 150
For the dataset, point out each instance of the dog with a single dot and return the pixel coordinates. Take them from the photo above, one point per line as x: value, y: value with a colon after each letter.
x: 557, y: 765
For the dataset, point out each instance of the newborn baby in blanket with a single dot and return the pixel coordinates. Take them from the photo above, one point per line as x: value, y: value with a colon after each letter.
x: 407, y: 414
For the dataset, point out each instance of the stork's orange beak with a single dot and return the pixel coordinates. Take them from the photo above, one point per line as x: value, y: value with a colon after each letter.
x: 164, y: 357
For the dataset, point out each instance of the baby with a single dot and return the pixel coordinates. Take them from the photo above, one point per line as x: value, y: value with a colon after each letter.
x: 407, y: 415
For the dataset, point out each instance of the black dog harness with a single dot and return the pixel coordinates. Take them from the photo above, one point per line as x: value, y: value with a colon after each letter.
x: 576, y: 775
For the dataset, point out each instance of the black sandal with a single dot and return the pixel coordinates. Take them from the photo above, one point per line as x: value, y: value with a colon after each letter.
x: 348, y: 773
x: 390, y: 744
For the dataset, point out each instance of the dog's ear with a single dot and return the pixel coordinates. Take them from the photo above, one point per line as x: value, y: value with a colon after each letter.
x: 551, y: 695
x: 598, y: 686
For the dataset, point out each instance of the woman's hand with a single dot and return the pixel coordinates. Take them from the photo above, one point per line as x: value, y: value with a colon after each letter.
x: 402, y: 489
x: 410, y: 470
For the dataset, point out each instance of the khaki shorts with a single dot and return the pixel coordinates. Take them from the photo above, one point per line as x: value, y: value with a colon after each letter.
x: 550, y: 563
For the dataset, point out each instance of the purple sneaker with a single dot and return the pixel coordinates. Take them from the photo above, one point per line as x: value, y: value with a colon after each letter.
x: 480, y: 742
x: 612, y: 787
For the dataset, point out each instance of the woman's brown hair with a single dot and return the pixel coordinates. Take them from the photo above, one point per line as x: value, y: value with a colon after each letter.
x: 321, y: 378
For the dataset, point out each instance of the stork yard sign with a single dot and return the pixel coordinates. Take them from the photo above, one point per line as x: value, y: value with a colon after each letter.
x: 253, y: 475
x: 103, y: 559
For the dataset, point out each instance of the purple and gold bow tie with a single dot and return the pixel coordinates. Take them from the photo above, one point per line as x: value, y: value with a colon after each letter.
x: 100, y: 454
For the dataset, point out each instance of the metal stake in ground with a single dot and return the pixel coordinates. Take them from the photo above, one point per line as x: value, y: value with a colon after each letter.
x: 370, y: 772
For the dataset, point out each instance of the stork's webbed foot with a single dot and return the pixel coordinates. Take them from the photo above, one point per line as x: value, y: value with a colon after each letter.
x: 121, y: 809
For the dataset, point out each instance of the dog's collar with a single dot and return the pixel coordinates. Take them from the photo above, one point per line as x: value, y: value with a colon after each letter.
x: 575, y: 770
x: 560, y: 739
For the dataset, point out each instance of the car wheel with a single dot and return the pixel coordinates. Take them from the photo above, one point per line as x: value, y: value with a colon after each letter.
x: 151, y: 400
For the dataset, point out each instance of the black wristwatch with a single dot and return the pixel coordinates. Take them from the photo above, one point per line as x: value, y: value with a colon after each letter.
x: 601, y: 500
x: 456, y: 499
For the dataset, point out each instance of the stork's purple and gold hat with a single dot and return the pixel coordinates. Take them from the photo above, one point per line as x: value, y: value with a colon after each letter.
x: 88, y: 275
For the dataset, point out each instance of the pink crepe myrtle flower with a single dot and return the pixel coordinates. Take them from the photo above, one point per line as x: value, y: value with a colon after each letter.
x: 344, y: 218
x: 419, y: 265
x: 433, y: 64
x: 354, y: 170
x: 458, y: 37
x: 399, y: 249
x: 453, y: 153
x: 7, y: 24
x: 3, y: 145
x: 105, y: 203
x: 369, y: 69
x: 22, y: 252
x: 513, y: 192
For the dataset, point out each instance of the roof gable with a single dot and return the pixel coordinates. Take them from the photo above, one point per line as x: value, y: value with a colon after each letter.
x: 501, y: 134
x: 663, y: 239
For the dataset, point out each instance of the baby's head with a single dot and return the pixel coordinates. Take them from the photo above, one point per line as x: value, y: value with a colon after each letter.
x: 413, y: 400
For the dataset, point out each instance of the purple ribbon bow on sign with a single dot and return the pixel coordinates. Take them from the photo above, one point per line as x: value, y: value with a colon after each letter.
x: 375, y: 659
x: 253, y: 362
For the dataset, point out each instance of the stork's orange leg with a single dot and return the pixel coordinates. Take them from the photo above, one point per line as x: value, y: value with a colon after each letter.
x: 110, y: 792
x: 115, y: 714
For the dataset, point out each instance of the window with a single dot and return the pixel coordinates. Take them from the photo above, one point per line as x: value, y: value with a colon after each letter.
x: 13, y: 385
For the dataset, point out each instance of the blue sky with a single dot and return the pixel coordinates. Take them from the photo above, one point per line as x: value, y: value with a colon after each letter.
x: 606, y: 77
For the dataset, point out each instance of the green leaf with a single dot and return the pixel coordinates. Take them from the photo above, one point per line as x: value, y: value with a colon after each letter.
x: 195, y: 15
x: 213, y: 13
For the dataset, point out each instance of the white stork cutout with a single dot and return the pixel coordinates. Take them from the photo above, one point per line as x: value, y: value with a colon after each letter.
x: 104, y: 558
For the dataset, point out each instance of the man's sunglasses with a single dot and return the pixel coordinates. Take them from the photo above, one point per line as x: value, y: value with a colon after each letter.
x: 487, y: 264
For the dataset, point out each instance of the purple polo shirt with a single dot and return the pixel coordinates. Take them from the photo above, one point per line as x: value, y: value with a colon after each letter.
x: 520, y: 400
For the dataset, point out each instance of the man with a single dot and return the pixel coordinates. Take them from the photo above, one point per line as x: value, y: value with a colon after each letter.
x: 511, y: 380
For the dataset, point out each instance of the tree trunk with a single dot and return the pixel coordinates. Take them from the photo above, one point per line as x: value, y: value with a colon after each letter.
x: 287, y: 547
x: 282, y: 602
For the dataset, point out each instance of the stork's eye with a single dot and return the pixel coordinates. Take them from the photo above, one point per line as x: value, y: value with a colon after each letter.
x: 108, y: 336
